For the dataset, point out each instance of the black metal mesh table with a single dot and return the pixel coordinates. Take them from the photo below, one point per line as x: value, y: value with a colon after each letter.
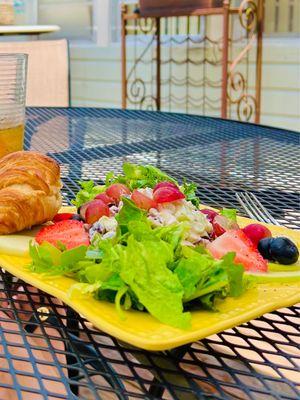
x: 63, y: 356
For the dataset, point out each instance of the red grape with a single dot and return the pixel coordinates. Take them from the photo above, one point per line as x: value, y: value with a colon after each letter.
x: 165, y: 184
x: 142, y: 201
x: 117, y: 190
x: 210, y: 214
x: 95, y: 210
x: 103, y: 196
x: 167, y: 195
x: 256, y: 232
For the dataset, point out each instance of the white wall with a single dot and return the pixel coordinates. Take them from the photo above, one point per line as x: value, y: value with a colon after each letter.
x: 96, y: 80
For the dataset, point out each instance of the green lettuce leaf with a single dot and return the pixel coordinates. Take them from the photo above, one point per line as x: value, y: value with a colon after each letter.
x: 88, y: 192
x: 139, y: 176
x: 208, y: 301
x: 92, y: 271
x: 47, y: 259
x: 144, y: 269
x: 235, y: 274
x: 113, y: 283
x: 173, y: 235
x: 128, y: 213
x: 114, y: 290
x: 193, y: 273
x: 230, y: 213
x: 141, y: 230
x: 189, y: 190
x: 200, y: 274
x: 83, y: 289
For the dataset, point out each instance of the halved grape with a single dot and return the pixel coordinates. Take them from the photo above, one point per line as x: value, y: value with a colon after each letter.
x: 142, y: 201
x: 117, y: 190
x: 95, y: 210
x: 210, y: 214
x: 104, y: 197
x: 167, y: 195
x: 165, y: 184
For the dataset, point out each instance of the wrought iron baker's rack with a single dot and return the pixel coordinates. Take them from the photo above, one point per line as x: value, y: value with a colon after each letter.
x: 152, y: 76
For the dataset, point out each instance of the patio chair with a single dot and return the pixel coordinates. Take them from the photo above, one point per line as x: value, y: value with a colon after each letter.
x: 48, y: 71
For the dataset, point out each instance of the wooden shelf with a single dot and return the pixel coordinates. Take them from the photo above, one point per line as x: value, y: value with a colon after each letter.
x: 172, y: 8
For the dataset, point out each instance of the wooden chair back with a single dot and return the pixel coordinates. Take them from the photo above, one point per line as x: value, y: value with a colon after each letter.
x: 48, y: 71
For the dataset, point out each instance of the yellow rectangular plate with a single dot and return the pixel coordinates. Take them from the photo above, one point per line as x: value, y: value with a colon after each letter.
x: 141, y: 329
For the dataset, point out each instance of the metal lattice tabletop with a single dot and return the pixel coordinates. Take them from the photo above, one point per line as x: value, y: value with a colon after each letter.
x: 63, y: 356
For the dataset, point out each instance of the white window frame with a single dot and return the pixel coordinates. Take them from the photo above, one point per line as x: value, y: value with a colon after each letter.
x: 101, y: 22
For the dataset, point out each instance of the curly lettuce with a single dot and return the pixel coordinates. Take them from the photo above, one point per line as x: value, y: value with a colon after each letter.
x: 88, y: 192
x: 134, y: 177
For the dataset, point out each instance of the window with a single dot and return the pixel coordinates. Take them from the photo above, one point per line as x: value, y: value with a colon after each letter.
x: 80, y: 20
x: 75, y: 17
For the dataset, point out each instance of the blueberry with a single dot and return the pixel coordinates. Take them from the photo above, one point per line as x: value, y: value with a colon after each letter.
x: 264, y: 248
x: 77, y: 217
x: 284, y: 251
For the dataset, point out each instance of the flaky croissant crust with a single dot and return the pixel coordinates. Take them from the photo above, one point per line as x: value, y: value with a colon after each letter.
x: 29, y: 190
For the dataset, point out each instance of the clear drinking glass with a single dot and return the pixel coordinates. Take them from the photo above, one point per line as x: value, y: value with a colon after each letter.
x: 13, y: 70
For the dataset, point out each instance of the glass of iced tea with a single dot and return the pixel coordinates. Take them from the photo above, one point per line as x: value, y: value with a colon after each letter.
x: 13, y: 70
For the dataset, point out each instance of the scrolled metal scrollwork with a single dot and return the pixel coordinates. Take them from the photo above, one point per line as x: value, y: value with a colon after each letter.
x: 137, y: 88
x: 248, y: 14
x: 246, y: 107
x: 149, y: 103
x: 137, y: 95
x: 146, y: 25
x: 246, y: 104
x: 136, y: 91
x: 141, y: 26
x: 237, y: 84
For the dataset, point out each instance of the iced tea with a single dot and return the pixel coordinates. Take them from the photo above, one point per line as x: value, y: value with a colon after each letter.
x: 11, y: 140
x: 13, y: 68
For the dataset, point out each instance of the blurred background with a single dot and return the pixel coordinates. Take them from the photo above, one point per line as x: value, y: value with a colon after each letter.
x: 93, y: 29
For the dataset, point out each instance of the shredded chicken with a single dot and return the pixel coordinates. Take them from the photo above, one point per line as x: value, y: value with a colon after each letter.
x: 182, y: 211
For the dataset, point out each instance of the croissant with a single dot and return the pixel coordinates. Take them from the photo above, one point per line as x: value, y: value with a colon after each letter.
x: 29, y: 190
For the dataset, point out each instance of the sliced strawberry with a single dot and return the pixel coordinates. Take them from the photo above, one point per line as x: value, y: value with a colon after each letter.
x: 246, y: 252
x: 69, y: 232
x: 142, y: 201
x: 62, y: 217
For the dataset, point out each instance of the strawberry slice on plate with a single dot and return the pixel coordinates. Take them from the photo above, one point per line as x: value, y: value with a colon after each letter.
x: 62, y: 217
x: 246, y: 253
x: 69, y: 232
